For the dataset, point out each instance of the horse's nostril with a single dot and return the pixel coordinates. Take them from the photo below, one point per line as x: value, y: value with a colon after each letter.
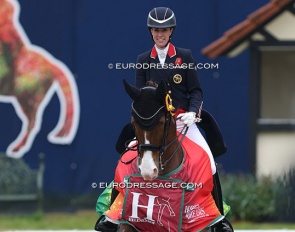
x: 155, y: 171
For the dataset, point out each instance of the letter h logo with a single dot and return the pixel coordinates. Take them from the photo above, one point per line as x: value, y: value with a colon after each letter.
x: 149, y: 206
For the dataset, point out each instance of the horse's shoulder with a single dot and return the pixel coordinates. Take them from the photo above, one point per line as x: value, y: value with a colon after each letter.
x: 193, y: 152
x: 127, y: 165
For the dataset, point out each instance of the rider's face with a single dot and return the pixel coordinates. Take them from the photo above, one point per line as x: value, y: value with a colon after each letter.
x: 161, y: 36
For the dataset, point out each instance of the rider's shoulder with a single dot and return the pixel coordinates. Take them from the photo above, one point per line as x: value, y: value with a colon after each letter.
x: 183, y: 51
x: 145, y: 54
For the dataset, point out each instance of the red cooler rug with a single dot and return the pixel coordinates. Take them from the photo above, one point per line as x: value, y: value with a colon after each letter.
x: 179, y: 201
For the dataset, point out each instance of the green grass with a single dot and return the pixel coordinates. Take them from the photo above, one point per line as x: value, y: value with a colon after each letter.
x: 262, y: 226
x: 85, y: 220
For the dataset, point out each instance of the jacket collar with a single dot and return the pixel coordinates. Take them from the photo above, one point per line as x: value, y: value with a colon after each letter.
x: 171, y: 51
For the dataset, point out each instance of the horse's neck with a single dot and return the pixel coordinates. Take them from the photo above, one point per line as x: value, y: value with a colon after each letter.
x: 11, y: 46
x: 175, y: 160
x: 10, y: 39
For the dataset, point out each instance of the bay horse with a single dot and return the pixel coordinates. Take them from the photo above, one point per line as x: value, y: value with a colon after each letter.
x: 155, y: 131
x: 29, y: 76
x: 163, y: 156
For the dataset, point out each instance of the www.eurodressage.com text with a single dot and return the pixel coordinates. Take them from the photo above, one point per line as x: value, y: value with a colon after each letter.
x: 119, y: 66
x: 148, y: 185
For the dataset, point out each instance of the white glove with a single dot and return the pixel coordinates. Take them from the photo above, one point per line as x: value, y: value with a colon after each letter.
x: 188, y: 118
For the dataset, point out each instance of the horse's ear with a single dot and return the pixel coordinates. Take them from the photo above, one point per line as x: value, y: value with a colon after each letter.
x: 161, y: 90
x: 132, y: 91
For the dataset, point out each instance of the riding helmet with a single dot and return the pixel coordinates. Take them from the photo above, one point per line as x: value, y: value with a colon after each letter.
x: 161, y: 17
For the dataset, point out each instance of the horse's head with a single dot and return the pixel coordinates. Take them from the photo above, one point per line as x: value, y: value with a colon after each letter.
x: 154, y: 127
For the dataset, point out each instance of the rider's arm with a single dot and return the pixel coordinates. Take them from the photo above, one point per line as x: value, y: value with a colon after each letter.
x: 194, y: 87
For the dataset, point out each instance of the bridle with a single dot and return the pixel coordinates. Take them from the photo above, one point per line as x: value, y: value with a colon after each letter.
x: 164, y: 145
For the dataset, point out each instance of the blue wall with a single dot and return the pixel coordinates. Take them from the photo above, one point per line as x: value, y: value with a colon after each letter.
x: 87, y: 35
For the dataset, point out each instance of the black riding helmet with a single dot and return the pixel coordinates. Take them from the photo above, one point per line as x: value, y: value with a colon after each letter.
x: 161, y: 17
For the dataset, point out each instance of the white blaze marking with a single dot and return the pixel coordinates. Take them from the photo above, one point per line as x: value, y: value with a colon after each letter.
x: 147, y: 163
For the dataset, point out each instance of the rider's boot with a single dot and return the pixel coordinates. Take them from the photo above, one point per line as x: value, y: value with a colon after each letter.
x: 224, y: 226
x: 102, y: 224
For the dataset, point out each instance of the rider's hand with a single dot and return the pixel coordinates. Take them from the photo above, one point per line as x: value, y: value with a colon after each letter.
x: 188, y: 118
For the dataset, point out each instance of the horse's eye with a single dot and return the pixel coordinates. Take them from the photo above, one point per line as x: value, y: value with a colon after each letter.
x: 161, y: 122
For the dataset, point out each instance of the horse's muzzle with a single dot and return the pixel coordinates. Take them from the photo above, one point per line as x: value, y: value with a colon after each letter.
x: 147, y: 166
x: 151, y: 175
